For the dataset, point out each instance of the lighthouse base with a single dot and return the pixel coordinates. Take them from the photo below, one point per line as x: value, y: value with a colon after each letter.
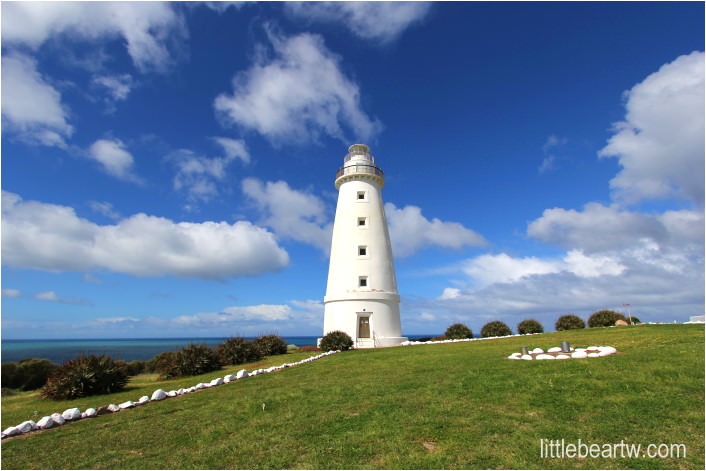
x: 370, y: 319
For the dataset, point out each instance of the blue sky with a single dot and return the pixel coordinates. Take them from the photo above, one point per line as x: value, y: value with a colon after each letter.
x: 167, y: 168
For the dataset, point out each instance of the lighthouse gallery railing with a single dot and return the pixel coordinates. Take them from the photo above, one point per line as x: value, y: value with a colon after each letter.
x: 361, y: 168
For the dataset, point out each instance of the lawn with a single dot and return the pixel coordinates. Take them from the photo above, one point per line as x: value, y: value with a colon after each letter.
x: 460, y: 405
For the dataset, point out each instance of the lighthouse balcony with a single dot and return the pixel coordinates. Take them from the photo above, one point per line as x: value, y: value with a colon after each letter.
x: 359, y: 169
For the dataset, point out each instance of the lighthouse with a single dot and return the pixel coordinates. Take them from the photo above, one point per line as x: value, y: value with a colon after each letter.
x: 361, y: 293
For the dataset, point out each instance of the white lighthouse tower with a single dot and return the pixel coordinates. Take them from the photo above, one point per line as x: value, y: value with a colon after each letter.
x: 361, y: 293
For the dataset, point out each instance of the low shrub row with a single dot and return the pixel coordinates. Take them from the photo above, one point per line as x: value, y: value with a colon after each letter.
x: 604, y: 318
x: 27, y: 374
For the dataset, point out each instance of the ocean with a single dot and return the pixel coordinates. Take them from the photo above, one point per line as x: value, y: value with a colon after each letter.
x: 61, y: 350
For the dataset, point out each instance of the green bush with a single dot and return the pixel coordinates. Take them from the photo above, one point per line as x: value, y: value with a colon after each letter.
x: 136, y: 367
x: 605, y: 318
x: 85, y: 376
x: 32, y: 373
x: 160, y: 362
x: 634, y: 320
x: 8, y: 375
x: 336, y: 340
x: 530, y: 326
x: 271, y: 345
x: 237, y: 350
x: 495, y: 329
x: 191, y: 360
x: 569, y: 322
x: 458, y: 331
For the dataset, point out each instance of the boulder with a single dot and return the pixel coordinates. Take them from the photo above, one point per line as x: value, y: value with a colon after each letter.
x: 563, y: 357
x: 607, y: 350
x: 91, y: 412
x: 45, y: 422
x: 578, y: 354
x: 554, y: 350
x: 58, y: 419
x: 172, y: 393
x: 127, y: 405
x: 537, y: 350
x: 513, y: 357
x: 71, y: 414
x: 217, y: 382
x: 241, y: 374
x: 143, y: 400
x: 158, y: 395
x: 103, y: 410
x: 593, y: 355
x: 113, y: 408
x: 543, y: 356
x: 27, y: 426
x: 591, y: 348
x: 180, y: 391
x: 526, y: 357
x: 11, y: 431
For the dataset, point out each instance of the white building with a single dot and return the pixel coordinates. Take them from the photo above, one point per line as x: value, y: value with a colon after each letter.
x: 361, y: 293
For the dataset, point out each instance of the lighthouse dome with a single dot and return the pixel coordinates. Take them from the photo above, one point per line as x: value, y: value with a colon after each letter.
x: 358, y: 154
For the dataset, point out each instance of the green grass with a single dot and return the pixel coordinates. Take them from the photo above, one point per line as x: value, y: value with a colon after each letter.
x: 457, y: 406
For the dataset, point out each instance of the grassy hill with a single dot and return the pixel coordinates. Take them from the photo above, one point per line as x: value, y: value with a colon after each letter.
x: 459, y: 405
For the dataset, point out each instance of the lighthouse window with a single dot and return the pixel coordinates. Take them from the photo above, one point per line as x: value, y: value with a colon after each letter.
x: 362, y: 281
x: 362, y: 222
x: 362, y: 250
x: 361, y: 196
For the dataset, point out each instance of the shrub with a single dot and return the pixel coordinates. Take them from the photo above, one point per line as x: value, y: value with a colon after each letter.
x: 336, y: 340
x: 85, y: 376
x: 136, y: 367
x: 123, y: 364
x: 569, y: 322
x: 529, y: 326
x: 605, y: 318
x: 440, y: 337
x: 271, y: 345
x: 8, y: 375
x: 495, y: 329
x: 32, y: 373
x: 160, y: 362
x: 189, y: 361
x: 458, y: 331
x: 237, y: 350
x: 308, y: 348
x: 634, y: 320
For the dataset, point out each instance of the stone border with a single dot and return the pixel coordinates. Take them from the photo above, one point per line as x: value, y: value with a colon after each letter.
x: 555, y: 353
x: 74, y: 414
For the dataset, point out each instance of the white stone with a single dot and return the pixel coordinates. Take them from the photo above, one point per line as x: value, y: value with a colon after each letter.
x: 513, y: 357
x: 126, y: 405
x: 241, y: 374
x: 113, y: 408
x: 608, y: 350
x: 11, y: 431
x: 159, y: 394
x: 228, y: 378
x: 537, y: 350
x: 71, y: 414
x: 46, y: 422
x: 593, y: 355
x: 217, y: 382
x: 563, y: 357
x: 554, y: 350
x: 526, y: 357
x: 579, y: 355
x: 91, y: 412
x: 580, y: 349
x: 143, y: 400
x: 58, y: 419
x: 172, y: 393
x: 347, y: 299
x: 592, y: 348
x: 180, y: 391
x: 83, y: 415
x: 544, y: 356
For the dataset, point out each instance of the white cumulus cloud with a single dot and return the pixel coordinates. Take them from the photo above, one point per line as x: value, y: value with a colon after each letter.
x: 379, y: 21
x: 660, y: 144
x: 114, y: 158
x: 297, y: 95
x: 31, y: 106
x: 290, y: 213
x: 11, y: 293
x: 148, y: 29
x: 410, y: 231
x: 52, y: 237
